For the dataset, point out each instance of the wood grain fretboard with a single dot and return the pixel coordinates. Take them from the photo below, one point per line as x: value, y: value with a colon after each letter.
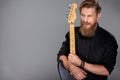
x: 72, y: 39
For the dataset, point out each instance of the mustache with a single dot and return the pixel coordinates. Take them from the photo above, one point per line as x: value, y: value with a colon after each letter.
x: 85, y: 23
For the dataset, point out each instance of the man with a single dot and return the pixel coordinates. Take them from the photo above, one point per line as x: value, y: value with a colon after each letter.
x: 96, y: 48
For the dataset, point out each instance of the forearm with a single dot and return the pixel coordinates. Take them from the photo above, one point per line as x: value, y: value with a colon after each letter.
x: 96, y: 69
x: 76, y: 71
x: 93, y: 68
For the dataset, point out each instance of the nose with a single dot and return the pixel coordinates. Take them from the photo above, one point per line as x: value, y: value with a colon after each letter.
x: 85, y: 19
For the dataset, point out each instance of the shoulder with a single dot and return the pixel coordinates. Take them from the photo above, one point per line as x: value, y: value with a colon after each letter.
x: 106, y: 36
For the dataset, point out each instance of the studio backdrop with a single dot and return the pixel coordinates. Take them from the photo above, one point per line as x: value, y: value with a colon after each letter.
x: 32, y: 31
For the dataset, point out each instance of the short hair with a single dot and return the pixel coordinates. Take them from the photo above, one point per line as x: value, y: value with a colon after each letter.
x: 90, y: 4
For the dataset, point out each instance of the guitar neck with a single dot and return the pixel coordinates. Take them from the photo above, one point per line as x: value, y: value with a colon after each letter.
x: 72, y: 39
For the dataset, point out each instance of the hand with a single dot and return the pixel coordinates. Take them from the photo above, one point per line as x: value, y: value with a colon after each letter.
x: 66, y: 64
x: 77, y: 72
x: 74, y: 59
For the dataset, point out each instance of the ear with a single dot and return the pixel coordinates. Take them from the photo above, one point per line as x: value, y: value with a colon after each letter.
x: 98, y: 16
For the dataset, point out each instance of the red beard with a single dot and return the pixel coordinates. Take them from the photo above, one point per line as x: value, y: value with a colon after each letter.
x: 87, y: 32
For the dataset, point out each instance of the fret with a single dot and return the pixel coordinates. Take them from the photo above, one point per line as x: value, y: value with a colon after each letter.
x: 71, y: 21
x: 72, y: 39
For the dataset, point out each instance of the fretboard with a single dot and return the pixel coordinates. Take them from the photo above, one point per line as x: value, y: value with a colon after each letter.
x: 72, y: 39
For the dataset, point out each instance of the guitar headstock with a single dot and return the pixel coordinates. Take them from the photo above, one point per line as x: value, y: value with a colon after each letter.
x: 72, y: 13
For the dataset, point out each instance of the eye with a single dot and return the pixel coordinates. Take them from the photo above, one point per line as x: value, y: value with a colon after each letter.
x: 89, y: 15
x: 82, y: 15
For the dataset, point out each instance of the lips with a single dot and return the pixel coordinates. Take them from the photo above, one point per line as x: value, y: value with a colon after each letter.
x: 86, y: 23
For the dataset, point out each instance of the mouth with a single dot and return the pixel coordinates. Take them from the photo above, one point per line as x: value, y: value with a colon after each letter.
x: 86, y: 23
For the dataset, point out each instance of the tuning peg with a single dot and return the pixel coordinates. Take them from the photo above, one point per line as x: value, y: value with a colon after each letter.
x: 70, y: 5
x: 69, y: 9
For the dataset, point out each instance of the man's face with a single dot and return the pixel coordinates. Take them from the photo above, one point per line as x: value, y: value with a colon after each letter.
x: 89, y: 19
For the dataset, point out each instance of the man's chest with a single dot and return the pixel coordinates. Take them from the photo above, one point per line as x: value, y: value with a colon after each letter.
x: 91, y: 50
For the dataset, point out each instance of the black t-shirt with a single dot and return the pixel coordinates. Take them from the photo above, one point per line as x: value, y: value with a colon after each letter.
x: 99, y: 49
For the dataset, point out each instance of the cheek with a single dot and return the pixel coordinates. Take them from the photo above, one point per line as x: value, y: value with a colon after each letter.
x: 93, y: 21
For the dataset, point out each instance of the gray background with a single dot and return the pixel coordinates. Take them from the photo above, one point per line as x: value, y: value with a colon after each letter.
x: 31, y: 33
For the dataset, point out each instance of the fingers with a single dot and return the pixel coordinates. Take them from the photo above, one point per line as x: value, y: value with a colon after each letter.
x: 78, y: 73
x: 83, y: 72
x: 74, y: 59
x: 71, y: 57
x: 79, y: 76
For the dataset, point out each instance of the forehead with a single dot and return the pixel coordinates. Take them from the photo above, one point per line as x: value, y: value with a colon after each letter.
x: 88, y: 11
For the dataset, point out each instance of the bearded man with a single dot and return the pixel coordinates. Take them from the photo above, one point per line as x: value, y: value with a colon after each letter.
x: 96, y: 48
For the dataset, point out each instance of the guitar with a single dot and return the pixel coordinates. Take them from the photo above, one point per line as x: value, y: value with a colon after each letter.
x: 71, y: 20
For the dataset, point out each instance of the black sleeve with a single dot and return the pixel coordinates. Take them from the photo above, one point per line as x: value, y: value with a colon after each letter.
x: 64, y: 50
x: 109, y: 58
